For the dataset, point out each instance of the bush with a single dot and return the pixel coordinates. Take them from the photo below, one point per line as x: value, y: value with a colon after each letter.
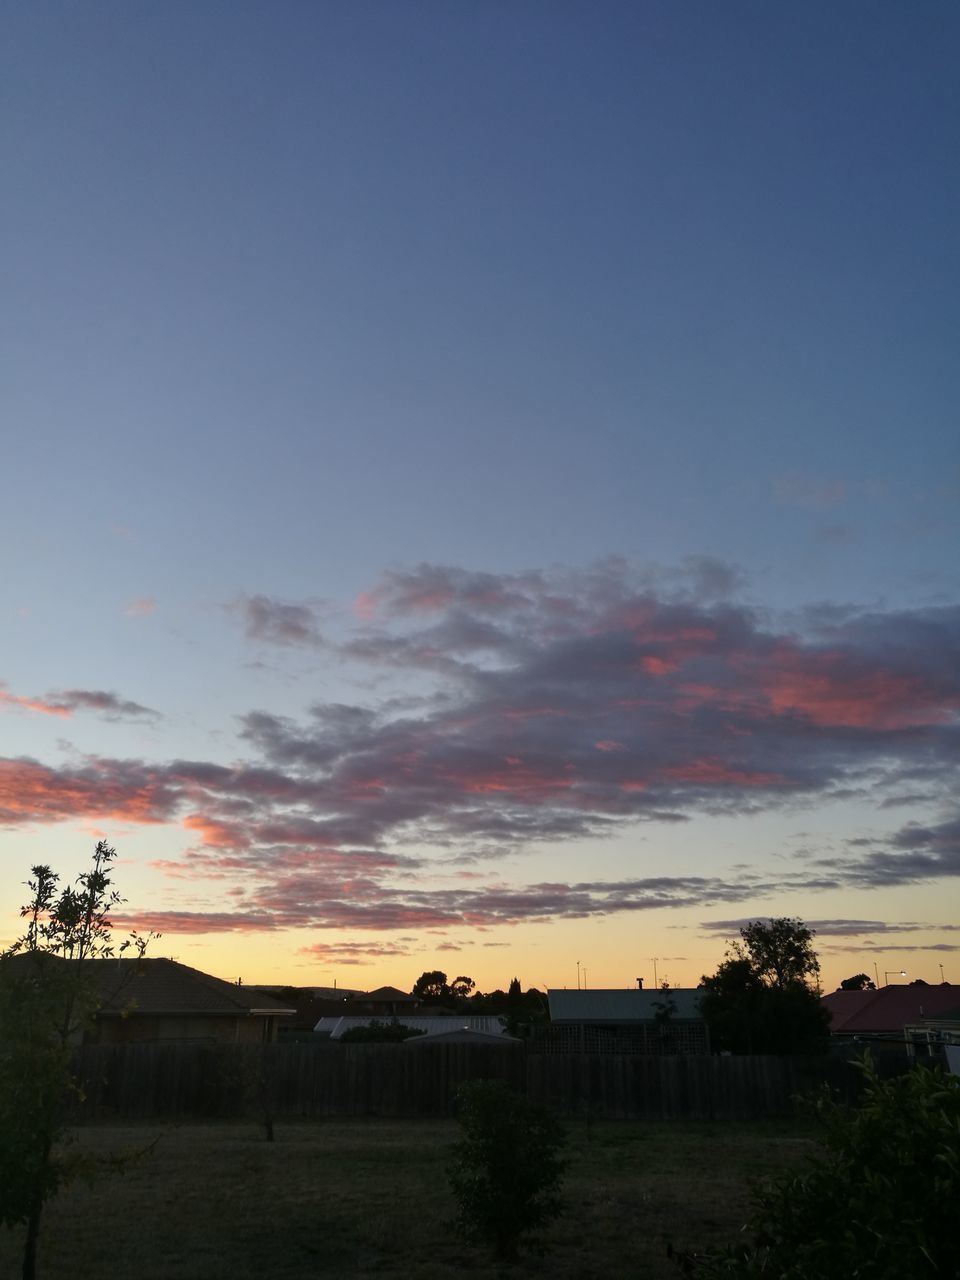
x: 880, y: 1200
x: 505, y: 1173
x: 376, y: 1032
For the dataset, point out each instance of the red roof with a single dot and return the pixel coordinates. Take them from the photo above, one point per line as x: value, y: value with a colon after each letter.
x: 890, y: 1009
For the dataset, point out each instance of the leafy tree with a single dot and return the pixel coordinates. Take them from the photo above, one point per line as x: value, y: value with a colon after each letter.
x: 878, y: 1200
x: 505, y: 1173
x: 762, y: 998
x: 431, y: 986
x: 859, y: 982
x: 780, y: 951
x: 377, y: 1032
x: 47, y: 1000
x: 462, y: 988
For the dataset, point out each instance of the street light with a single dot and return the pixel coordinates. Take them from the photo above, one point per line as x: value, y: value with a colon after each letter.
x: 887, y: 973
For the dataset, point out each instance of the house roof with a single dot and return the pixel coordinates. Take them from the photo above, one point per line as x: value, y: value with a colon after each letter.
x: 158, y: 986
x: 485, y: 1024
x: 458, y: 1034
x: 622, y: 1005
x: 889, y: 1009
x: 389, y: 994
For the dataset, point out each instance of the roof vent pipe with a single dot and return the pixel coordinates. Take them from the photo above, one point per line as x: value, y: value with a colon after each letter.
x: 639, y: 984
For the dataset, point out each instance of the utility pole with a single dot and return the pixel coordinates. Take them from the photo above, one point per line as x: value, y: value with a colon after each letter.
x: 656, y: 980
x: 578, y: 975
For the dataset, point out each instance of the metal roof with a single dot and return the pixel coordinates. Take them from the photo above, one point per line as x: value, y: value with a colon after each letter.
x: 431, y: 1026
x: 622, y: 1005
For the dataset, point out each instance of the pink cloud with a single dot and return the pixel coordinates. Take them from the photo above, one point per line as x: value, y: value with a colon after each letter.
x: 39, y: 705
x: 140, y: 607
x: 590, y: 705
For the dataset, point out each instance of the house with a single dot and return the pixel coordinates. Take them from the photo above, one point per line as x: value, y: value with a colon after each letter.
x: 386, y: 1001
x: 311, y: 1004
x: 157, y: 999
x: 625, y: 1020
x: 895, y: 1016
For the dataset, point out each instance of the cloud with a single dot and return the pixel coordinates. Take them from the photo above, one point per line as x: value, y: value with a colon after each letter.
x: 141, y: 607
x: 352, y: 952
x: 796, y: 489
x: 128, y: 791
x: 109, y: 705
x: 835, y: 928
x: 42, y: 706
x: 277, y: 622
x: 562, y: 706
x: 64, y: 702
x: 838, y: 534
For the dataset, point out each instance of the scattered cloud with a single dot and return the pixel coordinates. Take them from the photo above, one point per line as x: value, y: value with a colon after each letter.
x: 837, y: 534
x: 836, y: 928
x: 64, y: 702
x: 564, y: 706
x: 278, y: 622
x: 141, y: 607
x: 797, y: 489
x: 109, y: 705
x: 42, y: 706
x: 352, y: 952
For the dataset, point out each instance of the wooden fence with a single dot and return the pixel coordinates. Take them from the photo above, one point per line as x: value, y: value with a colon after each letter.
x: 180, y: 1081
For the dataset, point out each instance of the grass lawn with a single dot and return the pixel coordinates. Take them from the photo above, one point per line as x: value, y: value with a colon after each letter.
x: 369, y: 1198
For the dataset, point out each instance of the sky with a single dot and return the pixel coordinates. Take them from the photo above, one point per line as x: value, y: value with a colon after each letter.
x: 482, y: 481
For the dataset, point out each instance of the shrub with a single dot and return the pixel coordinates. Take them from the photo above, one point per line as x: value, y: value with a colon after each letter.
x: 505, y: 1172
x: 879, y: 1201
x: 376, y: 1032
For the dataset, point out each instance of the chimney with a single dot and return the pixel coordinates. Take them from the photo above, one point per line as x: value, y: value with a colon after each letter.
x: 639, y: 984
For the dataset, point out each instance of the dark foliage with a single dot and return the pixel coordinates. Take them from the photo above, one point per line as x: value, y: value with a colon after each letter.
x: 505, y: 1172
x: 432, y: 987
x: 859, y: 982
x: 879, y: 1201
x: 761, y: 999
x: 377, y: 1032
x: 47, y: 1001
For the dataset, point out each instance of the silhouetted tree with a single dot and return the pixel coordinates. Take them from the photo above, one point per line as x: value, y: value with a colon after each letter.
x: 761, y: 999
x: 461, y: 988
x: 859, y: 982
x: 47, y: 999
x: 431, y: 986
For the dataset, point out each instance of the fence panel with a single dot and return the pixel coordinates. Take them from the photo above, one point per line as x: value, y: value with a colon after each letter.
x: 293, y: 1081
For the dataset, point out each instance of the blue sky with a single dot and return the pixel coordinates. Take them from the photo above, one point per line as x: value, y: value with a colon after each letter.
x: 306, y: 305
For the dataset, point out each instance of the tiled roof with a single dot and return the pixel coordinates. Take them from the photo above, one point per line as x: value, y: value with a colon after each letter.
x: 622, y: 1005
x: 889, y: 1009
x: 166, y: 986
